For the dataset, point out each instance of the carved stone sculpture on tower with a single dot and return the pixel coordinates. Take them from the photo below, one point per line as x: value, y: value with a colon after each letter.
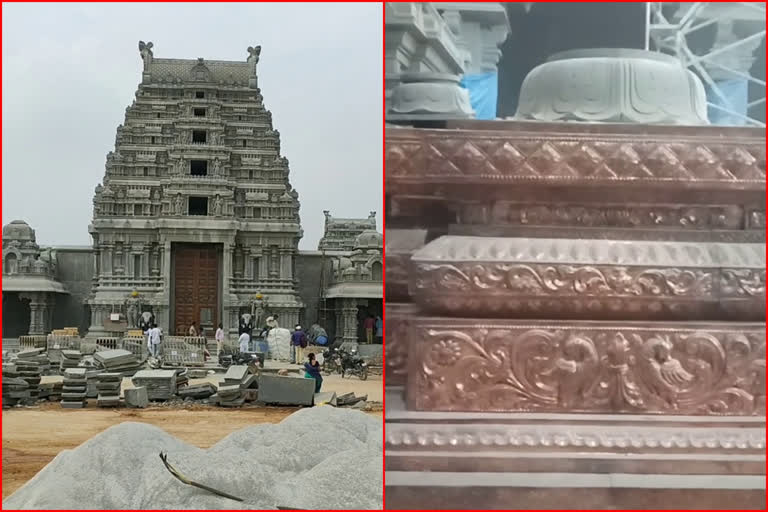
x: 145, y: 49
x: 179, y: 205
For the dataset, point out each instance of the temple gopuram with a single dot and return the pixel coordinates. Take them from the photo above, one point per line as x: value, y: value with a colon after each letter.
x: 195, y: 220
x: 576, y: 294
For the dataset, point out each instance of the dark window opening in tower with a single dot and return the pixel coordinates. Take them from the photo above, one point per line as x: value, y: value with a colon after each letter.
x: 199, y: 136
x: 198, y: 168
x: 199, y: 112
x: 245, y: 143
x: 198, y: 206
x: 200, y: 95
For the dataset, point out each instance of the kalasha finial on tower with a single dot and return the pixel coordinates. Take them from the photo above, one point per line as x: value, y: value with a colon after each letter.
x: 145, y: 49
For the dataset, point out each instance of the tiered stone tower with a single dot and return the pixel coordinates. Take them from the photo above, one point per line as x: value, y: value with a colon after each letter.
x: 196, y: 214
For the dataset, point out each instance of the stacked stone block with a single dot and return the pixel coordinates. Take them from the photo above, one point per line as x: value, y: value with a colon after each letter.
x: 108, y: 385
x: 73, y: 394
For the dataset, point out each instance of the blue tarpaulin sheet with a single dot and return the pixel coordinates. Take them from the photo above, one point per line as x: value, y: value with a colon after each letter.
x: 483, y: 93
x: 737, y: 94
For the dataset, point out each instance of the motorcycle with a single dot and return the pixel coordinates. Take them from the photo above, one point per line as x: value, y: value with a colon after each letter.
x: 353, y: 364
x: 331, y: 361
x: 241, y: 358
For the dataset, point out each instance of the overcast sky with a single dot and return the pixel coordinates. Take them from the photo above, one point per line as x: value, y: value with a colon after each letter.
x: 70, y: 70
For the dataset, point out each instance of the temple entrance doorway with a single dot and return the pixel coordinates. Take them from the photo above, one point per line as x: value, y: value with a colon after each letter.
x: 196, y: 285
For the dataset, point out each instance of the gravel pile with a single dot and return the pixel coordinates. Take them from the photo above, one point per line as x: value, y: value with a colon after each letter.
x: 317, y: 458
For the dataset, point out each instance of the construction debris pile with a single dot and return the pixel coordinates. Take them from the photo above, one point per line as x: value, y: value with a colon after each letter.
x: 293, y: 464
x: 239, y: 386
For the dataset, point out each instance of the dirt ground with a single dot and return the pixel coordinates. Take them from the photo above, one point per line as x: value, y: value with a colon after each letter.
x: 32, y: 437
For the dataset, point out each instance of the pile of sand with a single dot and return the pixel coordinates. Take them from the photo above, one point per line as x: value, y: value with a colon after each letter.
x: 317, y: 458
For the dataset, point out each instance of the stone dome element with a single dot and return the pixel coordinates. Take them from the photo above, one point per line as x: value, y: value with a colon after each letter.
x: 613, y: 86
x: 369, y: 239
x: 18, y: 230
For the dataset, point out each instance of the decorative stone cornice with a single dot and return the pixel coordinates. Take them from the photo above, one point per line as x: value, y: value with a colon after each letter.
x: 520, y: 153
x: 480, y: 29
x: 424, y: 64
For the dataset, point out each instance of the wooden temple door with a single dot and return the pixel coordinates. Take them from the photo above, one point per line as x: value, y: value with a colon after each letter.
x: 196, y: 288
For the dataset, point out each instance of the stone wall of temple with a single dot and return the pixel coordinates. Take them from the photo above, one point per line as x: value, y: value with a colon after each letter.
x: 309, y: 266
x: 75, y: 271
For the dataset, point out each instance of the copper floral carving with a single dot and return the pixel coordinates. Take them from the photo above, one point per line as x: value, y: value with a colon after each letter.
x: 579, y: 368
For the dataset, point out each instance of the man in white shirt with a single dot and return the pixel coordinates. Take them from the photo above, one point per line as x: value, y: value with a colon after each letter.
x: 219, y: 339
x: 154, y: 340
x: 245, y: 340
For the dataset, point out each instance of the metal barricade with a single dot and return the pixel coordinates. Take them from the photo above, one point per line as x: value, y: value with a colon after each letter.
x: 107, y: 344
x: 33, y: 341
x: 184, y: 351
x: 58, y: 342
x: 136, y: 345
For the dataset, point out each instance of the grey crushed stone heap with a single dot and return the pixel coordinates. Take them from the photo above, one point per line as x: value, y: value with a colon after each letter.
x: 292, y: 464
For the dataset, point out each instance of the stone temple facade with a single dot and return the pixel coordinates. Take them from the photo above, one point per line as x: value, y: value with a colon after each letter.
x: 29, y: 276
x: 353, y: 253
x: 196, y: 212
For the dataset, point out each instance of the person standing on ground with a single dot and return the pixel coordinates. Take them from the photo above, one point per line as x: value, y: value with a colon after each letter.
x: 379, y: 329
x: 154, y: 340
x: 298, y: 344
x: 219, y: 339
x: 312, y: 369
x: 369, y: 324
x: 206, y: 354
x: 192, y: 330
x: 245, y: 340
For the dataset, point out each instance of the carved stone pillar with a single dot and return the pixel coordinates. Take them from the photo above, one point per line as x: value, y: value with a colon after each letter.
x: 96, y: 262
x: 46, y: 309
x: 423, y: 65
x: 167, y: 269
x: 479, y: 29
x: 107, y: 259
x: 247, y: 266
x: 35, y: 312
x: 349, y: 313
x: 146, y: 255
x: 155, y: 260
x: 339, y: 328
x: 286, y: 255
x: 227, y: 267
x: 238, y: 257
x: 119, y: 263
x: 274, y: 263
